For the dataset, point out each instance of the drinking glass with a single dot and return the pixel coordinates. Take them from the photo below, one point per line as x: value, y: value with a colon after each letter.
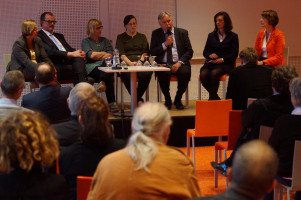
x: 139, y: 63
x: 146, y: 63
x: 108, y: 61
x: 154, y: 63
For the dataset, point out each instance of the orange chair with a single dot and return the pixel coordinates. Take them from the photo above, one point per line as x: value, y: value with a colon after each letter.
x: 235, y: 128
x: 211, y: 120
x: 83, y: 187
x: 172, y: 79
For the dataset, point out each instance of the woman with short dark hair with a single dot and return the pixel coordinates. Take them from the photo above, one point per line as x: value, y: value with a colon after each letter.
x: 270, y: 41
x: 220, y: 51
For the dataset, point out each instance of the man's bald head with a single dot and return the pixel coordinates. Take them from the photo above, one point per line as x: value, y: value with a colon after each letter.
x: 254, y: 168
x: 45, y: 73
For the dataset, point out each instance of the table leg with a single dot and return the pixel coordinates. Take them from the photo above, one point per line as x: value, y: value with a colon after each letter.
x: 133, y: 91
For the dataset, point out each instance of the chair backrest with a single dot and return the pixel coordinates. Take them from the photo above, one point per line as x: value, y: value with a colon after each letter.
x: 286, y: 55
x: 296, y: 182
x: 7, y: 58
x: 212, y: 118
x: 265, y: 133
x: 83, y: 187
x: 235, y: 127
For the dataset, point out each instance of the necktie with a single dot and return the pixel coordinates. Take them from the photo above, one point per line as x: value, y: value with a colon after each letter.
x: 56, y: 43
x: 169, y: 52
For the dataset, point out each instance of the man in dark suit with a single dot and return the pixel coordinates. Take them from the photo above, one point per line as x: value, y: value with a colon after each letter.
x: 172, y: 47
x: 248, y: 80
x: 263, y: 112
x: 69, y: 131
x: 59, y: 51
x: 51, y: 100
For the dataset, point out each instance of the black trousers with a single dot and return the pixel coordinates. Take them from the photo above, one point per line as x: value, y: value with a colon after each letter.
x: 183, y: 74
x: 108, y: 78
x: 143, y: 82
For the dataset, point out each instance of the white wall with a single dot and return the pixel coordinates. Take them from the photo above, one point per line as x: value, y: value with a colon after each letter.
x: 197, y: 17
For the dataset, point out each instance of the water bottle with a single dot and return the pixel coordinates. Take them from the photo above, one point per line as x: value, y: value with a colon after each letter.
x: 116, y: 60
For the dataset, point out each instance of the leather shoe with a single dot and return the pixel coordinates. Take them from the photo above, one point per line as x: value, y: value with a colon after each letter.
x: 179, y: 105
x: 221, y: 167
x: 168, y: 105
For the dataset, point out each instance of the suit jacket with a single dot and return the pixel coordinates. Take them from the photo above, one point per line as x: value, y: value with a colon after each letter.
x: 68, y: 132
x: 248, y: 81
x: 286, y: 131
x: 20, y: 57
x: 53, y: 52
x: 275, y: 47
x: 51, y: 101
x: 184, y: 48
x: 227, y: 49
x: 19, y: 184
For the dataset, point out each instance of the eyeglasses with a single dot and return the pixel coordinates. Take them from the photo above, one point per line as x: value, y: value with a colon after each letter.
x: 100, y: 27
x: 49, y: 22
x: 133, y: 24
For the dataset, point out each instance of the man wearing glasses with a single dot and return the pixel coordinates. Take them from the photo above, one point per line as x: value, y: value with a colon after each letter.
x: 59, y: 51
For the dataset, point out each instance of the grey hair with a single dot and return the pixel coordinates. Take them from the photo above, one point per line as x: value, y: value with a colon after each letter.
x: 12, y: 82
x: 162, y: 14
x: 254, y: 169
x: 78, y: 95
x: 295, y: 89
x: 249, y: 55
x: 149, y: 121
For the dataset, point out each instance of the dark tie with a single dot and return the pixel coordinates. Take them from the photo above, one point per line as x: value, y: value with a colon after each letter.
x: 169, y: 52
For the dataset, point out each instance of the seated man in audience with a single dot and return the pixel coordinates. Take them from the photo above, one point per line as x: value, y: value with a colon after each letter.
x: 172, y: 46
x: 264, y: 111
x: 51, y: 100
x: 69, y: 131
x: 59, y: 51
x: 252, y: 174
x: 248, y: 80
x: 286, y: 131
x: 12, y: 86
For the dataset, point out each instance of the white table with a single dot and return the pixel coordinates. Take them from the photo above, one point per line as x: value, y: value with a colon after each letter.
x: 133, y: 70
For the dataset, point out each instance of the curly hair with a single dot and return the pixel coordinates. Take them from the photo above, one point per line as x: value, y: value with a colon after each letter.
x: 27, y: 139
x: 281, y: 78
x: 94, y: 114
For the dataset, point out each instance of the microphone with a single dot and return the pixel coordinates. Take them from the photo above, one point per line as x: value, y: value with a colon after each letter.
x: 169, y: 32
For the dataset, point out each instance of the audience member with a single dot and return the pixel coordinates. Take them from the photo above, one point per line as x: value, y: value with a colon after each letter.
x: 81, y: 158
x: 270, y: 41
x: 59, y: 51
x: 220, y: 51
x: 98, y: 48
x: 28, y: 51
x: 12, y: 86
x: 172, y: 47
x: 146, y: 168
x: 133, y: 46
x: 252, y: 174
x: 248, y: 80
x: 27, y: 147
x: 51, y: 100
x: 69, y: 132
x: 286, y: 131
x: 264, y: 111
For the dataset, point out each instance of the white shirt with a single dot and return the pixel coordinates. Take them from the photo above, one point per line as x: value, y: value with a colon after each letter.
x: 264, y: 45
x: 48, y: 34
x: 174, y: 51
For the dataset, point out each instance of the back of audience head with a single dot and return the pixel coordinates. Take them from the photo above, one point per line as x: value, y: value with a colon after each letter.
x: 254, y: 169
x: 248, y: 55
x: 281, y: 78
x: 26, y: 140
x: 150, y: 121
x: 78, y: 95
x: 295, y: 89
x: 45, y: 74
x: 12, y: 84
x: 94, y: 118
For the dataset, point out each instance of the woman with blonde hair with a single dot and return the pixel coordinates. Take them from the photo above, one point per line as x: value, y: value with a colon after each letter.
x: 27, y: 148
x: 28, y: 51
x: 147, y: 168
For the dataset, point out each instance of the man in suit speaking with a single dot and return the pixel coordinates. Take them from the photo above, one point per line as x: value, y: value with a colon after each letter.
x: 59, y: 51
x: 172, y: 47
